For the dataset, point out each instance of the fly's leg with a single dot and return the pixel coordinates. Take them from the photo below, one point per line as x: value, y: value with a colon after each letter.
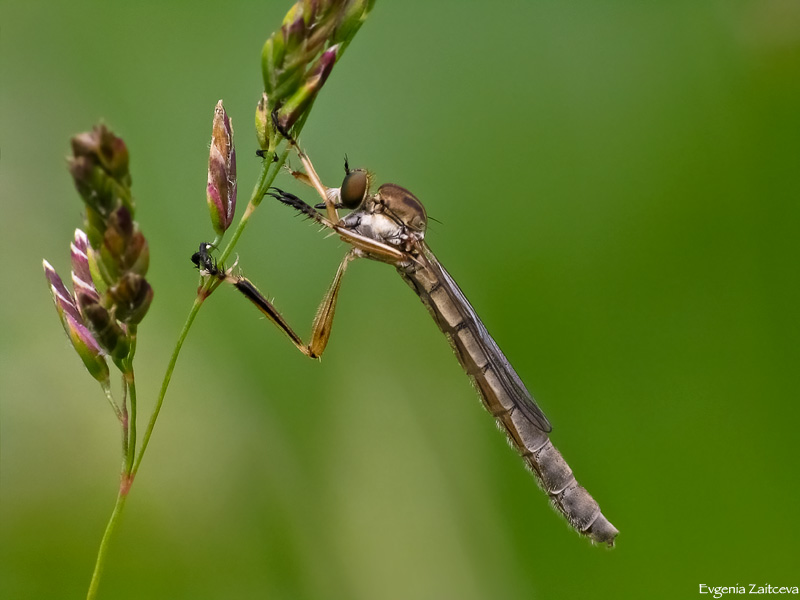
x: 361, y: 242
x: 300, y: 206
x: 323, y: 321
x: 311, y: 177
x: 368, y: 245
x: 330, y: 193
x: 250, y: 292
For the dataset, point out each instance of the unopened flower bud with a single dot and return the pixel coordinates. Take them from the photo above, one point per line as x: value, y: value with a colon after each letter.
x: 137, y: 255
x: 81, y: 338
x: 294, y: 33
x: 106, y: 149
x: 118, y: 229
x: 299, y: 102
x: 355, y: 15
x: 92, y: 185
x: 87, y: 348
x: 311, y: 9
x: 264, y: 125
x: 123, y: 248
x: 81, y: 272
x: 109, y: 335
x: 99, y: 167
x: 100, y: 276
x: 221, y: 188
x: 272, y: 55
x: 65, y: 303
x: 131, y: 298
x: 294, y: 13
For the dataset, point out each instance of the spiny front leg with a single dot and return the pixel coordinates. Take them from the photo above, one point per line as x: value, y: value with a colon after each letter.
x: 300, y: 206
x: 311, y: 174
x: 362, y: 242
x: 334, y: 194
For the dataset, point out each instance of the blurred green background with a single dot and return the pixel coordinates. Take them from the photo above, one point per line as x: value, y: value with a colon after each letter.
x: 617, y: 189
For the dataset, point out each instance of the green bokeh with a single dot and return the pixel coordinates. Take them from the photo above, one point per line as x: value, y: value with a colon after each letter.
x: 616, y: 186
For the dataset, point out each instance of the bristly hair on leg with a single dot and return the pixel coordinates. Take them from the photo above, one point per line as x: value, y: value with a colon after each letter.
x: 296, y: 203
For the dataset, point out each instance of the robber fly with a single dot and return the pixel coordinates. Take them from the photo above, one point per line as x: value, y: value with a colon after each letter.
x: 389, y: 226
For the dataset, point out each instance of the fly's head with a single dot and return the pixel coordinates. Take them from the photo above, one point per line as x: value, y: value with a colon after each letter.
x: 392, y: 215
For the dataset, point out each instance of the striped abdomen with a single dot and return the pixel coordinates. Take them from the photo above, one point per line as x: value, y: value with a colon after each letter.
x: 504, y: 395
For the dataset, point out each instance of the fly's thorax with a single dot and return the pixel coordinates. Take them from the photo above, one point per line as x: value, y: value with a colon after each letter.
x: 400, y: 205
x: 377, y: 226
x: 392, y: 215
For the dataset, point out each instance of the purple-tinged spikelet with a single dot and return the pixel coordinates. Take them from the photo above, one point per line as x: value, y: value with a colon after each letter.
x: 221, y: 188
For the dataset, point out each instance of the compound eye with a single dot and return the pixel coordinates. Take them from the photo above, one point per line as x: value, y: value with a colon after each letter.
x: 354, y: 188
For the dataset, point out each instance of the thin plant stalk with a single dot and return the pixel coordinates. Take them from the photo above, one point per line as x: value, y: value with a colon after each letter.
x: 271, y: 166
x: 132, y: 461
x: 267, y: 177
x: 110, y: 397
x: 102, y: 552
x: 131, y: 450
x: 198, y: 302
x: 132, y: 464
